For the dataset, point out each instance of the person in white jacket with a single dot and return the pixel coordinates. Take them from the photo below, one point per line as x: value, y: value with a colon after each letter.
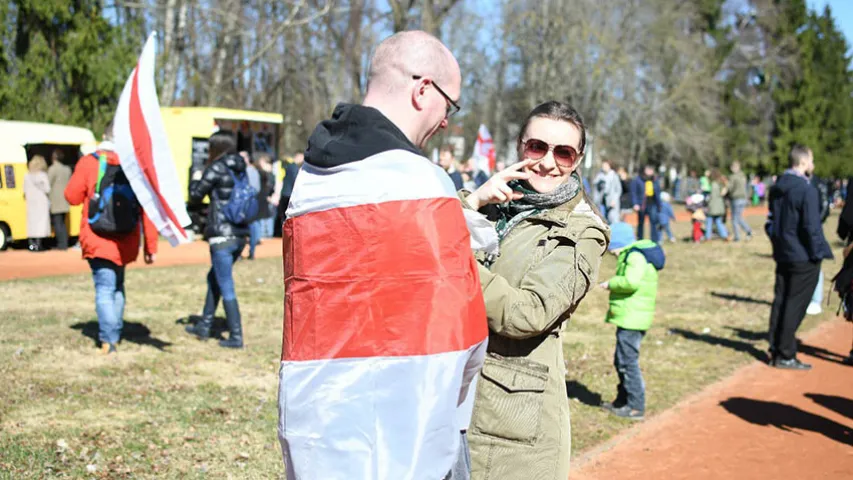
x: 607, y: 191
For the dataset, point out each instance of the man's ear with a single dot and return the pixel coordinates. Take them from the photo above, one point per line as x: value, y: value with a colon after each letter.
x: 419, y: 94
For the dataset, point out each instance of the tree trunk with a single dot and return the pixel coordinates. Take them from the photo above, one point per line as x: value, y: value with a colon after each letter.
x: 223, y: 48
x: 173, y: 43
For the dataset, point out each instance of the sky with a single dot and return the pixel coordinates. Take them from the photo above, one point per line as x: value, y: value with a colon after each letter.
x: 842, y: 10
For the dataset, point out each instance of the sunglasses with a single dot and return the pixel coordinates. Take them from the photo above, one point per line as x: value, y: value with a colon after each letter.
x: 564, y: 155
x: 452, y: 107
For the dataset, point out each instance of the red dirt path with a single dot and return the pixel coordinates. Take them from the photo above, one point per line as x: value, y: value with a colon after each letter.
x: 760, y: 423
x: 16, y: 264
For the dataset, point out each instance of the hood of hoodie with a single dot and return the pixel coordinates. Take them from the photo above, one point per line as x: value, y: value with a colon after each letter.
x: 234, y: 162
x: 788, y: 182
x: 354, y: 133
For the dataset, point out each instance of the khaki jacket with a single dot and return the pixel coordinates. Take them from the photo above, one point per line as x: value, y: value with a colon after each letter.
x: 520, y: 426
x: 59, y: 175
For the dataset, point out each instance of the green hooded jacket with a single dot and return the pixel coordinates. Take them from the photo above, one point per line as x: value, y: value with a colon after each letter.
x: 634, y: 289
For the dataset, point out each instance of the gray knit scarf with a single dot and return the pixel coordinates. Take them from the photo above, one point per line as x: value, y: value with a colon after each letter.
x: 533, y: 202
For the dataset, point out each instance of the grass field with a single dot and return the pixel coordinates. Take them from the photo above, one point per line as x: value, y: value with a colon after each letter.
x: 168, y: 406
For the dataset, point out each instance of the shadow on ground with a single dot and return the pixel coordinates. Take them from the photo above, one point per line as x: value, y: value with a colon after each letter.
x: 739, y: 298
x: 820, y: 353
x: 581, y: 393
x: 219, y: 326
x: 804, y: 348
x: 786, y: 417
x: 132, y: 332
x: 736, y: 345
x: 839, y: 405
x: 751, y: 335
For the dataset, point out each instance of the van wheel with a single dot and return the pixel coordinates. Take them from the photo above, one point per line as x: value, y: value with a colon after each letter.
x: 5, y: 236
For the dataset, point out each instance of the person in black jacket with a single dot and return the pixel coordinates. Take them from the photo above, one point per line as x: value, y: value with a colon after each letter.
x: 291, y: 171
x: 226, y: 240
x: 799, y: 247
x: 844, y: 285
x: 447, y: 161
x: 265, y: 195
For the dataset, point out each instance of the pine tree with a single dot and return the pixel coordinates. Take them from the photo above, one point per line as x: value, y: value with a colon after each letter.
x: 816, y: 108
x: 835, y: 137
x: 62, y: 62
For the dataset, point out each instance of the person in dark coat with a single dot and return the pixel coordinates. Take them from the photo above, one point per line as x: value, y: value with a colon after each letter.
x: 226, y: 239
x: 845, y: 277
x: 268, y: 208
x: 799, y: 247
x: 291, y: 171
x: 447, y: 161
x: 645, y: 196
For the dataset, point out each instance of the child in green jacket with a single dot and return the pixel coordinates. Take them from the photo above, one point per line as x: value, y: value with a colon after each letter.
x: 633, y: 293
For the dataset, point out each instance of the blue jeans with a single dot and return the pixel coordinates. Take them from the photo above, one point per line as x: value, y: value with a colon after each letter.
x: 738, y: 206
x: 267, y: 225
x: 109, y: 298
x: 220, y: 278
x: 721, y: 227
x: 666, y: 228
x: 255, y: 229
x: 462, y: 467
x: 817, y: 296
x: 652, y: 212
x: 632, y: 389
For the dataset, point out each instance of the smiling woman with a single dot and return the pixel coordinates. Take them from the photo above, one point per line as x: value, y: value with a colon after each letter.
x: 552, y: 242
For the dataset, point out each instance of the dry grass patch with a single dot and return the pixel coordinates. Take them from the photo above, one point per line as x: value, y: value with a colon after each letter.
x: 169, y: 406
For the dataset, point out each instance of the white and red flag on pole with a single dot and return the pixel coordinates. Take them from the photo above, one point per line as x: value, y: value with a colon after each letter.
x: 484, y: 150
x: 143, y: 149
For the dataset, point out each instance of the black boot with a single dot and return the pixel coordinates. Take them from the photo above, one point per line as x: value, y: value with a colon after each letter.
x: 202, y: 328
x: 232, y: 317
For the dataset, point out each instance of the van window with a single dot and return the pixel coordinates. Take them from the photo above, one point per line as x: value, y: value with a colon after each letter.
x: 10, y: 176
x: 1, y: 179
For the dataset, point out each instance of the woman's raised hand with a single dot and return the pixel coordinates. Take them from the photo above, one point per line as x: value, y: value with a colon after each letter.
x: 496, y: 190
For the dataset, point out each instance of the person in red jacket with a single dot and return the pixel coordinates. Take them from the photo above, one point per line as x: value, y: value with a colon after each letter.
x: 107, y: 256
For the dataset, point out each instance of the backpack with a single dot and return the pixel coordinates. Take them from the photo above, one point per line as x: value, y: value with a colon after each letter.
x: 843, y: 285
x: 243, y: 206
x: 654, y: 255
x: 113, y: 208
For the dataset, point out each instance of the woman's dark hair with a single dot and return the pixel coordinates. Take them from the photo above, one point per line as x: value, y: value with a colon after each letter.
x: 220, y: 143
x: 555, y: 111
x: 715, y: 175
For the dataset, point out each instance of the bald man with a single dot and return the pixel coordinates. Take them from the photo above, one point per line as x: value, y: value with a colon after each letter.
x: 385, y: 327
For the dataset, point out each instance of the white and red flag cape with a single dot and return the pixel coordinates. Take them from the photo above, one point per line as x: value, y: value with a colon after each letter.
x: 143, y: 149
x: 484, y: 150
x: 384, y: 325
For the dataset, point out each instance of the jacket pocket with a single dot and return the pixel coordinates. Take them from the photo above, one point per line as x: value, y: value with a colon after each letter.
x: 510, y: 399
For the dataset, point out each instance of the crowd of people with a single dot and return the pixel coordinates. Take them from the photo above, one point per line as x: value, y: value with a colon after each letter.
x: 508, y: 258
x: 46, y: 205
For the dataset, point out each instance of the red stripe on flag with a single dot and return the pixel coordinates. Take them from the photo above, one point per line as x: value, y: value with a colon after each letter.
x: 142, y: 148
x: 389, y: 279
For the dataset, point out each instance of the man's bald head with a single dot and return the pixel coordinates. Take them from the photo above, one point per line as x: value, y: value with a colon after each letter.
x: 406, y: 54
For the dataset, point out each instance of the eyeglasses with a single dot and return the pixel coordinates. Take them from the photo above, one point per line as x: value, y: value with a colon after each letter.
x: 452, y: 107
x: 564, y: 155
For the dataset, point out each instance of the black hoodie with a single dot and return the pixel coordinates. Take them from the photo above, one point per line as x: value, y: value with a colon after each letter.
x: 795, y: 227
x: 354, y: 133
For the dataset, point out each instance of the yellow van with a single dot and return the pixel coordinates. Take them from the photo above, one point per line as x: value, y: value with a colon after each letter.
x: 189, y: 128
x: 19, y: 142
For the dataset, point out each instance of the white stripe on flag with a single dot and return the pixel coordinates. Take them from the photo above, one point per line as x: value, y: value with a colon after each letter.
x: 393, y: 175
x: 383, y: 418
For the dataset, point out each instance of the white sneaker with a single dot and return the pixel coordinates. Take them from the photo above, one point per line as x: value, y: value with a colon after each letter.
x: 814, y: 309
